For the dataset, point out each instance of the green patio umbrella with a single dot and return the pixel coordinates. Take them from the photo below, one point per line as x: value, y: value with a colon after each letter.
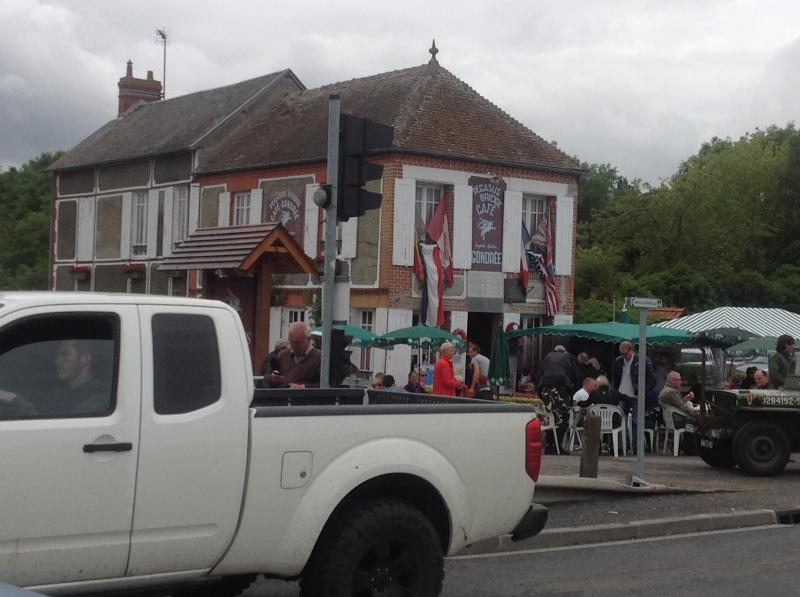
x: 417, y: 336
x: 360, y: 337
x: 499, y: 373
x: 610, y: 331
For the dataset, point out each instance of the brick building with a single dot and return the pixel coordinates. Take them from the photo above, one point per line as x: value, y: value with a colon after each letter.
x: 233, y: 160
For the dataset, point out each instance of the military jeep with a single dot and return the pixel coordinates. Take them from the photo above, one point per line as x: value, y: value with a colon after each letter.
x: 755, y: 430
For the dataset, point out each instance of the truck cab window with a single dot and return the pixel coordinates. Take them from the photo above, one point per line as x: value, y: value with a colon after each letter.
x: 185, y: 363
x: 58, y: 366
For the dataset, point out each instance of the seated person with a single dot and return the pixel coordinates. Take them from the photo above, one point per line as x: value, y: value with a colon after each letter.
x: 377, y: 381
x: 761, y: 380
x: 483, y: 390
x: 604, y: 393
x: 79, y: 393
x: 388, y: 383
x: 582, y: 399
x: 671, y: 396
x: 413, y: 386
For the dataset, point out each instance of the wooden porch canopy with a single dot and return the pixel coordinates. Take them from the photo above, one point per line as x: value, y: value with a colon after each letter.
x: 240, y: 248
x: 259, y: 251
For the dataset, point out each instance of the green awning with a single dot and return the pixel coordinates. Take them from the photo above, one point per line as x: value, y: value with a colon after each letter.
x: 360, y: 337
x: 611, y: 331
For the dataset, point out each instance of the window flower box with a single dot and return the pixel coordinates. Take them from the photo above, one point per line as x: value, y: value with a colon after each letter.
x: 81, y: 272
x: 135, y: 271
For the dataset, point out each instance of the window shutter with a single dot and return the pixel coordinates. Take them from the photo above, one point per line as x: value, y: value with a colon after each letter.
x: 565, y: 208
x: 125, y: 236
x: 311, y: 225
x: 256, y: 196
x: 168, y: 223
x: 349, y: 232
x: 224, y: 214
x: 85, y: 231
x: 194, y: 207
x: 398, y: 361
x: 512, y: 230
x: 404, y: 210
x: 152, y: 223
x: 462, y: 227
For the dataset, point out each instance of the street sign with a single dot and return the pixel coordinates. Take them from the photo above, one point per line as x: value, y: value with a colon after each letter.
x: 639, y: 302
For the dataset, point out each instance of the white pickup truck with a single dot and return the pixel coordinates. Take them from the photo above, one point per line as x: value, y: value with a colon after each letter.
x: 137, y: 455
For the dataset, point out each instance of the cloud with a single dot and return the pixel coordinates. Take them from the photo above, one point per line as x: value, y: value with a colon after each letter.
x: 640, y: 84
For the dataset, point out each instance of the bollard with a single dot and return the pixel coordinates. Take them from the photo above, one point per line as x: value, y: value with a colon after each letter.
x: 590, y: 451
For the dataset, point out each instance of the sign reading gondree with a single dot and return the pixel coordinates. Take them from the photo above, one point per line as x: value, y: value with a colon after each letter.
x: 487, y: 223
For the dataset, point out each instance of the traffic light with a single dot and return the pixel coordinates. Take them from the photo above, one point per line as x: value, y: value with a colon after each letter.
x: 358, y: 137
x: 337, y: 357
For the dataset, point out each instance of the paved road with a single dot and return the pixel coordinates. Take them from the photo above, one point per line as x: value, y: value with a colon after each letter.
x: 748, y: 562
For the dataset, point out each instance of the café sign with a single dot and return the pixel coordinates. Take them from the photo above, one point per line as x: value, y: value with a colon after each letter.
x: 487, y: 223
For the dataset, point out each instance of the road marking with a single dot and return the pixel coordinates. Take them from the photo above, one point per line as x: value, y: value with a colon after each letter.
x: 623, y: 542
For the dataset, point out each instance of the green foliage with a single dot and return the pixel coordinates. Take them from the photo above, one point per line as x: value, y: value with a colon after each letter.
x: 724, y: 230
x: 25, y: 198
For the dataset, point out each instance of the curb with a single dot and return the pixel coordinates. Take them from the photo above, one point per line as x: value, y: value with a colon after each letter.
x: 638, y: 529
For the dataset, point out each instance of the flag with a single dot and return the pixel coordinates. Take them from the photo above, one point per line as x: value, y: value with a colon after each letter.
x: 439, y: 232
x: 524, y: 272
x: 432, y: 310
x: 540, y: 257
x: 419, y: 268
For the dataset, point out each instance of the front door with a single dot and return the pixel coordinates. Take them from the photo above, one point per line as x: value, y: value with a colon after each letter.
x: 69, y: 420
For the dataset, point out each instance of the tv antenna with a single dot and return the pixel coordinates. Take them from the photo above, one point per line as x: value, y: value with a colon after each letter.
x: 162, y: 37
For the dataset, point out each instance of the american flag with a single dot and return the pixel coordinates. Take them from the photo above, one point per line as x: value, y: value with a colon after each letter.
x: 540, y: 258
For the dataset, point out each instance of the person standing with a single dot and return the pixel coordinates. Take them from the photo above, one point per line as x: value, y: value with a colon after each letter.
x: 626, y: 380
x: 444, y: 379
x: 479, y: 364
x: 559, y: 376
x: 299, y: 363
x: 782, y: 362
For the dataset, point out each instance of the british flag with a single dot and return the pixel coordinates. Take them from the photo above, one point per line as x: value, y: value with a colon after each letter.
x: 540, y: 258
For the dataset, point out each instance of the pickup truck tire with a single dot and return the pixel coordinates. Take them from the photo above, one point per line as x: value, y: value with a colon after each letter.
x: 376, y: 547
x: 717, y: 458
x: 761, y: 448
x: 230, y: 586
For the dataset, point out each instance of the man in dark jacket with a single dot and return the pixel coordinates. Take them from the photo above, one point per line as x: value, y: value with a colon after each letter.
x: 626, y: 379
x: 557, y: 381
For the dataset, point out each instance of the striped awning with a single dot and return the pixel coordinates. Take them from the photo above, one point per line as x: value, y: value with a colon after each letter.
x: 239, y: 248
x: 755, y: 320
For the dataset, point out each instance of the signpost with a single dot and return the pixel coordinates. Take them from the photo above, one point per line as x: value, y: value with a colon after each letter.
x: 644, y: 305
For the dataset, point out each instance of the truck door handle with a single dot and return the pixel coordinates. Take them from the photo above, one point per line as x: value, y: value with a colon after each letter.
x: 118, y: 447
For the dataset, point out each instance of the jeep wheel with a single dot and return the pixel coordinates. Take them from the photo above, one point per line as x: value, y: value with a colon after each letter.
x: 761, y: 448
x: 378, y: 547
x: 716, y: 457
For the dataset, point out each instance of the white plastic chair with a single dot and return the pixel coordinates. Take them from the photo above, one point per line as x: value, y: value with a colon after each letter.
x: 606, y: 413
x: 649, y: 434
x: 575, y: 430
x: 669, y: 427
x: 550, y: 425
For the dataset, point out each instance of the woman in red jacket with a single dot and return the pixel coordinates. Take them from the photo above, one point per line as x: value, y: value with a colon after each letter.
x: 444, y: 380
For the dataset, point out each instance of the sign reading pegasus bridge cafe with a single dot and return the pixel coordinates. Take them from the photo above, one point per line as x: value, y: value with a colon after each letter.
x: 487, y: 223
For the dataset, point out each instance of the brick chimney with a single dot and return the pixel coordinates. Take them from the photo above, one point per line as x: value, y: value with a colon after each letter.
x: 131, y: 89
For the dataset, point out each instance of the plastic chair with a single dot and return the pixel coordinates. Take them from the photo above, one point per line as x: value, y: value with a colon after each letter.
x: 575, y: 431
x: 669, y: 427
x: 606, y: 413
x: 549, y: 421
x: 649, y: 434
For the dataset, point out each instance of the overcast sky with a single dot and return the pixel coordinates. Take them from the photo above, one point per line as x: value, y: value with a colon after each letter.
x: 638, y: 84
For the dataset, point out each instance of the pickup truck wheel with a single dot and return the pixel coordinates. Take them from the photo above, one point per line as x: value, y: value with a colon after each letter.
x: 377, y: 548
x: 230, y: 586
x: 761, y: 448
x: 716, y: 457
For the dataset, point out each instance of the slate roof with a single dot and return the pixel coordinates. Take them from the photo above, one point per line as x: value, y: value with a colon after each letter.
x: 237, y: 247
x: 434, y: 113
x: 168, y: 126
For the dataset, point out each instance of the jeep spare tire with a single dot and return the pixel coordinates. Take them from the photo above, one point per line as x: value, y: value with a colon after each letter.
x: 761, y: 448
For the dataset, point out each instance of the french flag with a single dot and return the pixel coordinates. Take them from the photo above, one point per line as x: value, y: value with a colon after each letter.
x: 440, y: 234
x: 432, y: 310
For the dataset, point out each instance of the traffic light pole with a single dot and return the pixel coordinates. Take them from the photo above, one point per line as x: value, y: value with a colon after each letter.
x: 329, y: 271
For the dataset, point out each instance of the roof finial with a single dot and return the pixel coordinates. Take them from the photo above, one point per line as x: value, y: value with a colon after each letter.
x: 434, y: 50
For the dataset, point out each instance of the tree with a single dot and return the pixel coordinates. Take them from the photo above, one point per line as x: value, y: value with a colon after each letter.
x: 25, y: 199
